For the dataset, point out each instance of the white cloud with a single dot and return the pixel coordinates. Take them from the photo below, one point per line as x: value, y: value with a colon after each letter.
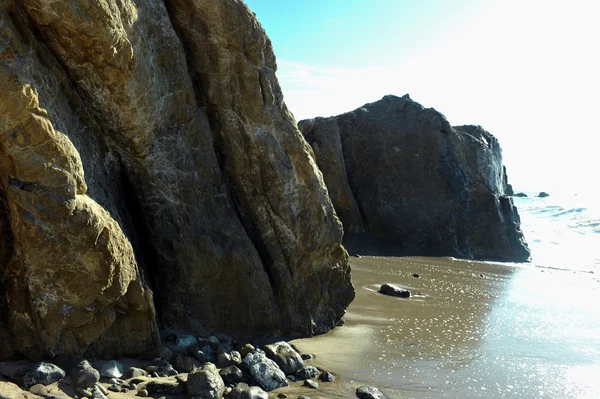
x: 526, y: 71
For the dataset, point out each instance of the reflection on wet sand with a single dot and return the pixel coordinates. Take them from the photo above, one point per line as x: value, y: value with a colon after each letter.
x: 471, y: 329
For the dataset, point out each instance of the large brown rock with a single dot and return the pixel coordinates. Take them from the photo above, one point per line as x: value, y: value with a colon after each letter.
x: 131, y: 160
x: 432, y: 188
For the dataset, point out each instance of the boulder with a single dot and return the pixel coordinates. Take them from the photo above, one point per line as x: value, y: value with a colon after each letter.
x: 148, y: 144
x: 43, y: 373
x: 185, y: 364
x: 543, y: 194
x: 205, y: 383
x: 521, y: 195
x: 307, y: 372
x: 265, y: 371
x: 231, y: 375
x: 165, y: 386
x: 394, y: 290
x: 366, y: 392
x: 83, y: 375
x: 286, y: 357
x: 402, y: 174
x: 111, y: 369
x: 243, y: 391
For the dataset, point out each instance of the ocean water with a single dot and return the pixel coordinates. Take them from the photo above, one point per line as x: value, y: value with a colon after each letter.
x: 563, y: 231
x: 477, y: 329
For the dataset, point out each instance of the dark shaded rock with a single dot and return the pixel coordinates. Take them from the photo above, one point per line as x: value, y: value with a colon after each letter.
x: 366, y: 392
x: 307, y: 373
x: 416, y: 275
x: 311, y: 384
x: 243, y: 391
x: 162, y: 368
x: 185, y: 364
x: 231, y: 375
x: 307, y: 356
x: 205, y: 383
x: 43, y: 373
x: 418, y: 182
x: 286, y: 357
x: 165, y: 386
x: 15, y: 370
x: 520, y: 195
x: 394, y: 290
x: 282, y: 395
x: 326, y: 376
x: 543, y: 195
x: 84, y: 375
x: 265, y: 371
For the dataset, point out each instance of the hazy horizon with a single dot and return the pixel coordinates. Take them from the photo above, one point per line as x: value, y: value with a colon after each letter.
x: 524, y: 71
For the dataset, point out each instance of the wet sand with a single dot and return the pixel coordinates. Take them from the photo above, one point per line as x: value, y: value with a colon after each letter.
x: 471, y: 329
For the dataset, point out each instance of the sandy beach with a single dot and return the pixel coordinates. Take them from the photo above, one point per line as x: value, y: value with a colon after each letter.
x: 471, y: 329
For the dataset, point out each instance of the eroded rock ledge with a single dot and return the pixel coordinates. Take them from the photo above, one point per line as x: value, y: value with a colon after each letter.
x: 151, y: 174
x: 400, y: 172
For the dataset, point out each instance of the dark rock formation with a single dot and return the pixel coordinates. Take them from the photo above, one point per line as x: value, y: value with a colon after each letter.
x: 394, y: 290
x: 148, y: 164
x: 403, y: 174
x: 521, y: 195
x: 543, y: 194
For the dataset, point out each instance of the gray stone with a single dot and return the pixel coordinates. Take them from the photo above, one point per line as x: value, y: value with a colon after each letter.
x: 84, y: 375
x: 236, y: 358
x: 311, y: 384
x: 366, y: 392
x: 307, y: 373
x: 97, y: 393
x: 43, y: 373
x: 135, y: 372
x: 285, y: 356
x: 110, y: 369
x: 205, y: 383
x: 231, y: 375
x: 243, y: 391
x: 114, y: 388
x: 307, y: 356
x: 265, y: 371
x: 394, y: 290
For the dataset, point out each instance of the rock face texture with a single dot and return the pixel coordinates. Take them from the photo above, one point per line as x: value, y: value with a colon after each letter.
x: 151, y: 175
x: 398, y: 171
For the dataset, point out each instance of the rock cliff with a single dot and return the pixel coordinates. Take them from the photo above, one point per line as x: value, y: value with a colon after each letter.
x: 398, y: 171
x: 151, y: 176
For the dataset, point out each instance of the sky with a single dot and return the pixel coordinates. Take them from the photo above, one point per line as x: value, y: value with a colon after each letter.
x: 527, y: 71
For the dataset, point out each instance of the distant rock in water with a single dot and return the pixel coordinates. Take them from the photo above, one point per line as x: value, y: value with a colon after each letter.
x: 543, y: 194
x: 147, y: 158
x: 400, y: 172
x: 521, y: 195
